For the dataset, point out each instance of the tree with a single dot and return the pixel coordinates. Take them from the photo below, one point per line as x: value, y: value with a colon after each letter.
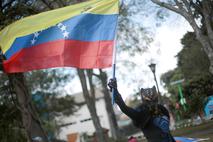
x: 199, y: 14
x: 30, y: 119
x: 12, y: 10
x: 131, y: 31
x: 50, y: 98
x: 10, y: 118
x: 192, y: 60
x: 196, y: 91
x: 170, y: 76
x: 116, y: 134
x: 193, y: 67
x: 47, y: 97
x: 90, y: 101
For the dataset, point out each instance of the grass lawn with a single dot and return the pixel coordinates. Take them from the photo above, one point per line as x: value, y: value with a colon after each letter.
x: 204, y: 130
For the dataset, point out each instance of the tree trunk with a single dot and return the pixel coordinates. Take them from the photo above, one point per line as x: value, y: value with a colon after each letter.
x: 116, y: 134
x: 201, y: 115
x: 91, y: 106
x: 208, y: 48
x: 30, y: 118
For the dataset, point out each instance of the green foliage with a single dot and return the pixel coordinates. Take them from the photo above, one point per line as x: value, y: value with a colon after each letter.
x: 196, y: 102
x: 132, y: 32
x: 10, y: 117
x: 201, y: 85
x: 196, y: 92
x: 198, y: 14
x: 169, y: 77
x: 193, y: 66
x: 49, y: 96
x: 12, y: 10
x: 63, y: 105
x: 47, y: 80
x: 45, y: 86
x: 192, y: 60
x: 132, y: 36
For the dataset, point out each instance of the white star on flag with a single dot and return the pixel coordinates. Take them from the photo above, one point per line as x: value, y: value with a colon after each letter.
x: 60, y: 25
x: 33, y: 41
x: 63, y: 28
x: 36, y: 34
x: 65, y: 34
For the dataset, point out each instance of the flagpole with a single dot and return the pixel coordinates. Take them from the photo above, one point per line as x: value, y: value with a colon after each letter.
x: 114, y: 56
x: 113, y: 69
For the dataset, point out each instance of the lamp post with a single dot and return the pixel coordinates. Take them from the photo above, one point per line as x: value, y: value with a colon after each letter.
x: 152, y: 67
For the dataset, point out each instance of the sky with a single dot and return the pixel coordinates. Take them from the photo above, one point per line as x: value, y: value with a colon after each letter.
x: 162, y: 51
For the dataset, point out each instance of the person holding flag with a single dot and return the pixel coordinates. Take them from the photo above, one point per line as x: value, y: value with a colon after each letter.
x: 151, y: 117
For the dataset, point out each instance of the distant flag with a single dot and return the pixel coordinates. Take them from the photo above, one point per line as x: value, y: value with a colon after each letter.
x: 80, y: 35
x: 184, y: 139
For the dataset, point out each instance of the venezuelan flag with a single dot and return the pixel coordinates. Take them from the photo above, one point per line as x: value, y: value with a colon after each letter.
x: 80, y: 35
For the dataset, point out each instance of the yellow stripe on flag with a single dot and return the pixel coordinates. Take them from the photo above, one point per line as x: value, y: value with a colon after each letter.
x: 47, y: 19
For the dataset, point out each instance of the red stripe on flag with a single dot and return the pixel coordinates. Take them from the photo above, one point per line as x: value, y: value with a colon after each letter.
x: 62, y: 53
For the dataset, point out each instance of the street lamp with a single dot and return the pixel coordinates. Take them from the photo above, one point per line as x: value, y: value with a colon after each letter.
x: 152, y: 67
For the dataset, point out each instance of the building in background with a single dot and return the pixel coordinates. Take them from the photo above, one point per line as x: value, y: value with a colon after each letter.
x: 81, y: 122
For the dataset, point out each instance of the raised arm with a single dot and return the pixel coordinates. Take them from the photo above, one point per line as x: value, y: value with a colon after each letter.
x: 134, y: 114
x: 130, y: 112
